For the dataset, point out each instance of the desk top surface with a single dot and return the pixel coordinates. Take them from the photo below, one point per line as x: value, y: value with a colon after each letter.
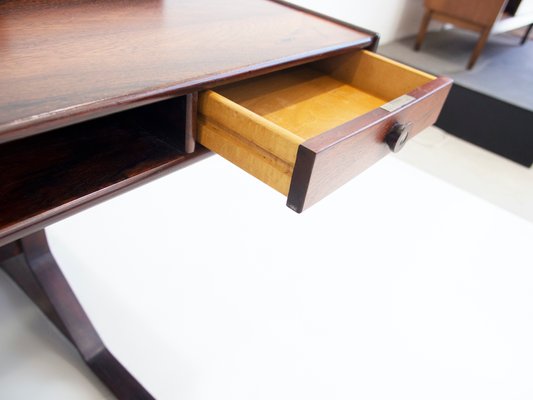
x: 69, y: 61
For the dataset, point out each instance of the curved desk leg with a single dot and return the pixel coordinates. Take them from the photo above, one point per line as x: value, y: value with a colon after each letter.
x: 39, y: 276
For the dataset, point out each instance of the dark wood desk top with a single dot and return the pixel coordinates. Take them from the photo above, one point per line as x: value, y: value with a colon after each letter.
x: 67, y: 61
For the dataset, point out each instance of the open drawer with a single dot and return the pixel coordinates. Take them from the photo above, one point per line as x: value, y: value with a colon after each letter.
x: 307, y: 130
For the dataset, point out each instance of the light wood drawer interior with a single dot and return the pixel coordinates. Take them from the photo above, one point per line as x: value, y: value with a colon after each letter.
x: 260, y: 123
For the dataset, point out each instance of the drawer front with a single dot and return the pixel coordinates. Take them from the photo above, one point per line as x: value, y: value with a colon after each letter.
x: 308, y: 130
x: 328, y: 161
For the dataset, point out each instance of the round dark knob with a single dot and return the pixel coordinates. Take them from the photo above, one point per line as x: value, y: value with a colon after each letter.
x: 397, y: 136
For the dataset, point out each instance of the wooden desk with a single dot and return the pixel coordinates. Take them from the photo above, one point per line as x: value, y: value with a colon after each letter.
x: 100, y: 97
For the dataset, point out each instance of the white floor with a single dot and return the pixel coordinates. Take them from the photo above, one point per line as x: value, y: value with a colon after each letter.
x: 414, y: 281
x: 504, y: 183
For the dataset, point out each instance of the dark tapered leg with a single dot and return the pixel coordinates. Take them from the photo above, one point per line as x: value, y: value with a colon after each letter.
x: 479, y: 47
x: 526, y: 34
x: 39, y: 276
x: 423, y: 29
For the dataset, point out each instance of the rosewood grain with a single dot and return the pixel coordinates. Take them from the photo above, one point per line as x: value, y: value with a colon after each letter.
x: 328, y: 161
x: 39, y: 276
x: 63, y: 62
x: 49, y: 176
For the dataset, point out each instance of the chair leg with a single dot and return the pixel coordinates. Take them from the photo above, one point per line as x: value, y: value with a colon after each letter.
x: 479, y: 47
x: 423, y: 29
x: 39, y: 276
x: 524, y: 38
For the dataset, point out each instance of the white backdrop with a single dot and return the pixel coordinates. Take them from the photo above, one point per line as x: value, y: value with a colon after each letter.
x: 393, y: 19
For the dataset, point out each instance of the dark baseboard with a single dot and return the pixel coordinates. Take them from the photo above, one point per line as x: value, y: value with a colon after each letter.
x: 495, y: 125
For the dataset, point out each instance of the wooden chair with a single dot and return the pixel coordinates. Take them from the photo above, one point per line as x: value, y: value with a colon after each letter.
x: 475, y: 15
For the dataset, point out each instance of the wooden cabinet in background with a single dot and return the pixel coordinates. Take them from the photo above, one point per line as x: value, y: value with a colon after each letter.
x: 483, y: 16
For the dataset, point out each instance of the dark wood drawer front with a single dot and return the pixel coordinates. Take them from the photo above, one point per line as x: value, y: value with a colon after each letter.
x: 328, y: 161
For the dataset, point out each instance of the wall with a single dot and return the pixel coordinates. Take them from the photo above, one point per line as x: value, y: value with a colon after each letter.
x: 393, y: 19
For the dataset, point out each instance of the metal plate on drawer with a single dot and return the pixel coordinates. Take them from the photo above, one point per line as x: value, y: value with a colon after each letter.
x: 397, y: 103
